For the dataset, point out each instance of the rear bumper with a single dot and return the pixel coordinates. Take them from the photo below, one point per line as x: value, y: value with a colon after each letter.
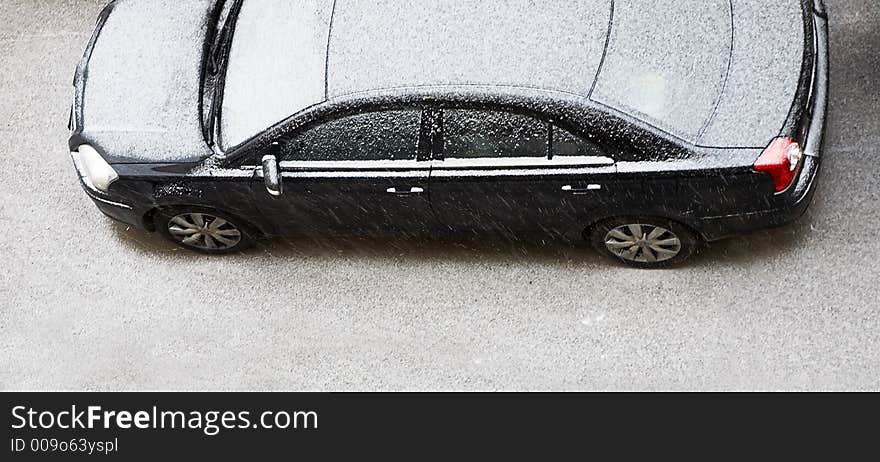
x: 799, y: 197
x: 720, y: 227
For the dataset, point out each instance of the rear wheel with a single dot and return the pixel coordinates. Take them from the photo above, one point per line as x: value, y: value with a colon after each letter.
x: 644, y: 242
x: 203, y: 230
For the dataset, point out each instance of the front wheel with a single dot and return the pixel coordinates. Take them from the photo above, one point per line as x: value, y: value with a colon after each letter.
x: 203, y: 230
x: 644, y: 242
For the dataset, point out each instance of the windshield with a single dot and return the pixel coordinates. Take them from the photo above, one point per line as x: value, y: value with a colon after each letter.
x: 276, y: 65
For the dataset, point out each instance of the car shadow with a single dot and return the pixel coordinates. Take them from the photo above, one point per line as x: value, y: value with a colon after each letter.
x: 459, y: 250
x: 763, y: 245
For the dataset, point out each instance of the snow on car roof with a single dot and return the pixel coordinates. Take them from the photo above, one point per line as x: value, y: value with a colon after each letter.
x: 280, y: 49
x: 394, y: 43
x: 683, y: 67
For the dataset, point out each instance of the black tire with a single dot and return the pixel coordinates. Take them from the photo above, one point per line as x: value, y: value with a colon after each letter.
x: 233, y: 235
x: 616, y: 248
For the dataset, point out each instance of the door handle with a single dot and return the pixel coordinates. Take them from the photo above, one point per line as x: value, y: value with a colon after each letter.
x: 413, y: 190
x: 589, y: 188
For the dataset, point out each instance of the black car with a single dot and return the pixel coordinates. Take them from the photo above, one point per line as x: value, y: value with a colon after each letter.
x: 643, y: 126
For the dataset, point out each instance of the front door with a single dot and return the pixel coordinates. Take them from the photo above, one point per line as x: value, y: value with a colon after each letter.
x: 357, y: 175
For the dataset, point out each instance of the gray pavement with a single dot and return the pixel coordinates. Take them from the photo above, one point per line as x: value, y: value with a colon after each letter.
x: 89, y: 304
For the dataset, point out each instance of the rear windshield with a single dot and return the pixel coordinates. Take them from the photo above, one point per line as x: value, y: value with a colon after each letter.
x: 666, y: 62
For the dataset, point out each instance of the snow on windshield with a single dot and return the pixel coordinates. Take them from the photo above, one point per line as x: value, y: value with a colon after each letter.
x: 667, y: 62
x: 276, y: 65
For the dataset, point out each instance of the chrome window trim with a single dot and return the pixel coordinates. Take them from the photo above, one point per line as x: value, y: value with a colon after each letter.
x: 447, y: 173
x: 353, y: 165
x: 421, y: 173
x: 504, y: 166
x: 522, y: 162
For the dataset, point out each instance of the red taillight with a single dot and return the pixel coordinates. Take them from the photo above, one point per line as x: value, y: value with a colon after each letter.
x: 781, y: 161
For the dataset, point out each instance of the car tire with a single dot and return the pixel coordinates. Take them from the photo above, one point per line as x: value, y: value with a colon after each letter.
x: 644, y: 242
x: 204, y: 230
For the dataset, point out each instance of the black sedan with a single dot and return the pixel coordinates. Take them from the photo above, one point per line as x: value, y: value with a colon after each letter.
x: 645, y: 127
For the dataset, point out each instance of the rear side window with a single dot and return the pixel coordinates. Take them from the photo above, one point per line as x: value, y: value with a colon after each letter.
x: 471, y: 134
x: 567, y: 144
x: 386, y: 135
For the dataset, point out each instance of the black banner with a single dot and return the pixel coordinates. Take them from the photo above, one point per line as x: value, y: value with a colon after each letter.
x: 135, y: 426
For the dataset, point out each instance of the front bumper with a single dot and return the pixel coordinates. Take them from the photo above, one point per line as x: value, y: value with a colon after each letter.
x: 109, y: 205
x: 120, y: 212
x: 801, y: 195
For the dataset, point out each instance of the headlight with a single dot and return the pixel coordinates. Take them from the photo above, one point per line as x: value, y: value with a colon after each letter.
x: 94, y: 170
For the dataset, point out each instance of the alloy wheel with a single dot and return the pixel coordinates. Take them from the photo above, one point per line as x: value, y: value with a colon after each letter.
x: 204, y: 231
x: 643, y: 243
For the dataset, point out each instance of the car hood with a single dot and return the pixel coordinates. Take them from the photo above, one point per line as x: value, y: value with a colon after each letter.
x: 138, y: 85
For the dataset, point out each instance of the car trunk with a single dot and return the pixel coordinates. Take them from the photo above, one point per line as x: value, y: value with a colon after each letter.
x: 716, y: 73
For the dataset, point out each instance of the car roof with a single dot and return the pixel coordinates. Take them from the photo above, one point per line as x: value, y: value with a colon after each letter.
x: 521, y: 43
x: 350, y: 47
x: 678, y: 66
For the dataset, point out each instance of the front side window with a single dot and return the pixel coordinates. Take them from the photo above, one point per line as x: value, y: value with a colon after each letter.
x: 472, y: 134
x: 372, y: 136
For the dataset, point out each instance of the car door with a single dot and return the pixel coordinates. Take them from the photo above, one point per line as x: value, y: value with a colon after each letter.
x: 360, y: 174
x: 513, y: 175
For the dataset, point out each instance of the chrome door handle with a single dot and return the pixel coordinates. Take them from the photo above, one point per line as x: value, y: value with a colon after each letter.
x: 413, y: 190
x: 573, y: 190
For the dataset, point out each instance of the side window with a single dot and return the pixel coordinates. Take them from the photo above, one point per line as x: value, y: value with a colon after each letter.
x: 384, y: 135
x: 567, y: 144
x: 469, y: 134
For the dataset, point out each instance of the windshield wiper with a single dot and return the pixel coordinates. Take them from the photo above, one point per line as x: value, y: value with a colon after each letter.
x: 216, y: 71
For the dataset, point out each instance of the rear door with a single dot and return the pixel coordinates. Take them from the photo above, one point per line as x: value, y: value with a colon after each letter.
x: 513, y: 175
x: 360, y: 174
